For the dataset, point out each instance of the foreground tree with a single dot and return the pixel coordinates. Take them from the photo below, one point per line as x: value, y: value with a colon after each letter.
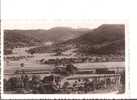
x: 71, y: 69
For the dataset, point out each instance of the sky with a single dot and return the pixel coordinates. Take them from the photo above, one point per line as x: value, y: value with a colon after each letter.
x: 45, y: 14
x: 47, y: 24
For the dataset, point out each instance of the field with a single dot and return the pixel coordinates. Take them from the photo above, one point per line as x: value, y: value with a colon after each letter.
x: 31, y: 63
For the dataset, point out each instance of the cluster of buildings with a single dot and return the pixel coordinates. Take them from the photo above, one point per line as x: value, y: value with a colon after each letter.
x: 90, y: 59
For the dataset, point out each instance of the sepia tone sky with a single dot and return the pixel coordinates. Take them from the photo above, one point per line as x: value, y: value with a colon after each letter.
x: 45, y: 14
x: 47, y: 24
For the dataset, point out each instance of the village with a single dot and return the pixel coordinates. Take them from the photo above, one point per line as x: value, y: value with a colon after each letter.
x: 63, y: 72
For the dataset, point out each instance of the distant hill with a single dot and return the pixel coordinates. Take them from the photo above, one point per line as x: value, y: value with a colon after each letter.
x: 106, y: 39
x: 14, y: 39
x: 20, y: 38
x: 56, y: 34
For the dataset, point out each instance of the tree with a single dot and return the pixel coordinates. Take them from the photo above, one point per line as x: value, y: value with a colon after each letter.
x: 12, y: 83
x: 65, y: 85
x: 35, y: 81
x: 71, y: 69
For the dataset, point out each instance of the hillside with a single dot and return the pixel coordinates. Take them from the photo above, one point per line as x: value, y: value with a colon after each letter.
x: 106, y: 39
x: 14, y: 39
x: 21, y: 38
x: 56, y: 34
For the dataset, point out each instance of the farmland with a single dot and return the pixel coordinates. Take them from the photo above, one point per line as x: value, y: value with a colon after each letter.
x: 31, y: 63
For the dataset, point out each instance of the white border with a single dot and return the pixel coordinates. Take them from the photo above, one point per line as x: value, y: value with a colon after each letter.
x: 73, y: 96
x: 2, y: 55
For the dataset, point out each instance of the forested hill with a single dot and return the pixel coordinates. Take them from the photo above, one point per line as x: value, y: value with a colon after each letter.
x: 55, y: 34
x: 13, y: 39
x: 106, y: 39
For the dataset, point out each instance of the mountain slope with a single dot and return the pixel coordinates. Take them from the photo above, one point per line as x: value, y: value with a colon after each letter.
x: 56, y: 34
x: 104, y: 33
x: 14, y: 39
x: 106, y: 39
